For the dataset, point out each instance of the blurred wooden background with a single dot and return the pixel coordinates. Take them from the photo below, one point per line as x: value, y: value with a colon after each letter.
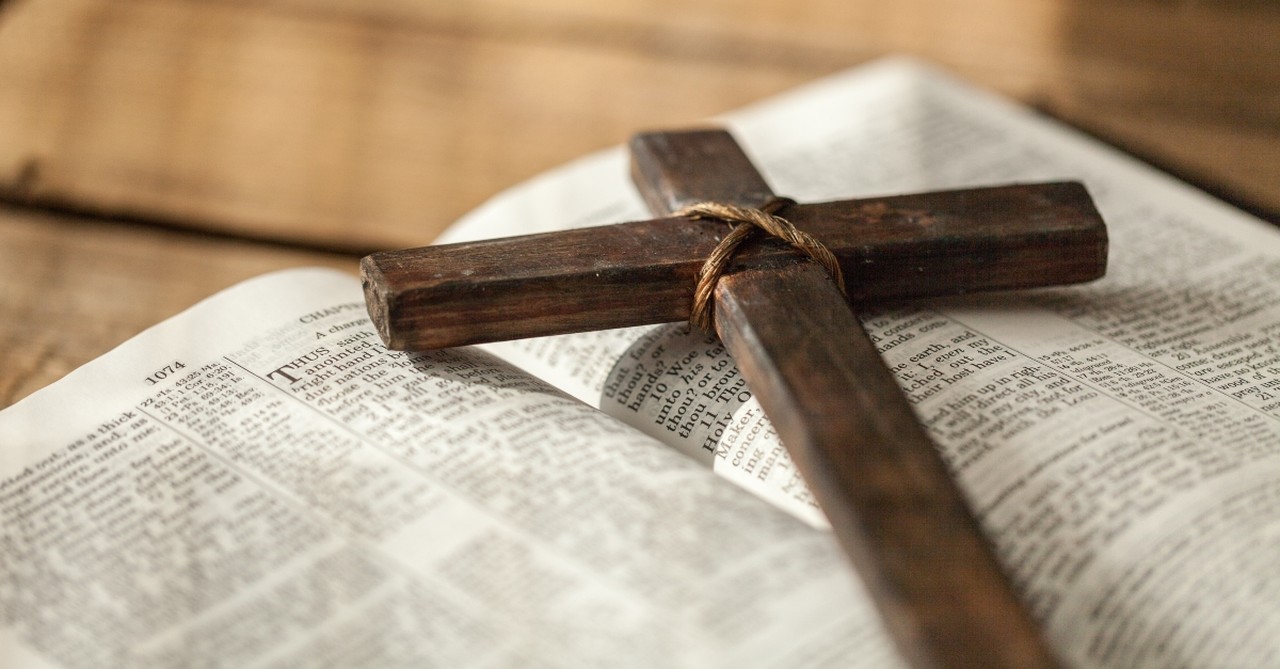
x: 153, y: 152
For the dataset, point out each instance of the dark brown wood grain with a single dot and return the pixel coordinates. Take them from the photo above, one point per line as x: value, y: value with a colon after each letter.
x: 674, y: 169
x: 643, y: 272
x: 874, y: 471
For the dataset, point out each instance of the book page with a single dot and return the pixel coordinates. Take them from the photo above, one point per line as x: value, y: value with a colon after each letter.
x: 258, y: 483
x: 1117, y: 440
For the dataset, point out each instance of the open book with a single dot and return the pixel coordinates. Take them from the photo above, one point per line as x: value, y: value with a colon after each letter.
x: 257, y: 482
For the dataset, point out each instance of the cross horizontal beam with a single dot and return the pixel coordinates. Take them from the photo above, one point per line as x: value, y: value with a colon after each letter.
x: 643, y: 272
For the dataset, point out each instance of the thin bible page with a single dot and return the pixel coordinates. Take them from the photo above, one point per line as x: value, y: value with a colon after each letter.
x: 257, y: 482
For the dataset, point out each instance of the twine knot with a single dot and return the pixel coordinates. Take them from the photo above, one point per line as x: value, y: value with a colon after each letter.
x: 745, y: 221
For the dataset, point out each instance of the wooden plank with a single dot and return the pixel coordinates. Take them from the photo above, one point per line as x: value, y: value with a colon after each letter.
x: 644, y: 272
x: 375, y: 124
x: 1129, y: 68
x: 875, y: 473
x: 332, y: 131
x: 72, y: 289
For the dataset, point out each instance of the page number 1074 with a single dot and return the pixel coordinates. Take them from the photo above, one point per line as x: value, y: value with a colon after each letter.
x: 164, y: 373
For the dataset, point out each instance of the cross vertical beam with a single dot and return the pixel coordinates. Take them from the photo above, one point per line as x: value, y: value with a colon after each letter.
x: 878, y: 477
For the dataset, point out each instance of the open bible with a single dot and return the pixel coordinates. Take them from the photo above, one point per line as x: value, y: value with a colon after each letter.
x: 258, y: 482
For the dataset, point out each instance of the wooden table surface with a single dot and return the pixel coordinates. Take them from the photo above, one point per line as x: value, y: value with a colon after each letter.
x: 153, y: 152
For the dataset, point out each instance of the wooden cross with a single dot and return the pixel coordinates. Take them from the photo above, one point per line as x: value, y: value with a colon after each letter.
x: 837, y: 408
